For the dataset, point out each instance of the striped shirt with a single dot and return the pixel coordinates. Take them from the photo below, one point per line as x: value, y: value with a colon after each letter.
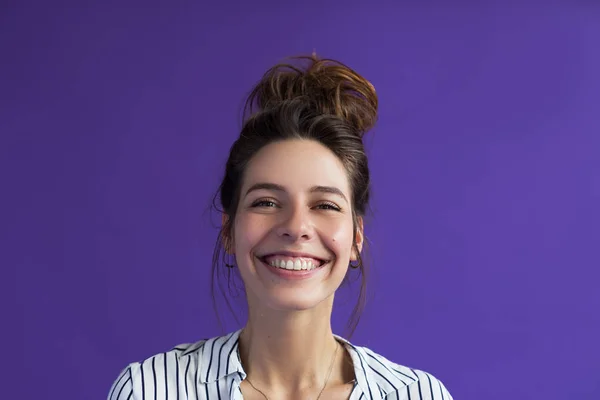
x: 211, y: 370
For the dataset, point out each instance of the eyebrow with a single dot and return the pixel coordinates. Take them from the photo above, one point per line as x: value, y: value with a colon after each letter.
x: 278, y: 188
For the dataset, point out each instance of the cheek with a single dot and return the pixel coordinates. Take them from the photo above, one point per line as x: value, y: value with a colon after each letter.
x: 339, y: 239
x: 248, y: 232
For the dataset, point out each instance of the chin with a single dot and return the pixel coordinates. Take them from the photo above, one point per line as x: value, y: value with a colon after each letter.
x: 294, y: 295
x: 294, y: 301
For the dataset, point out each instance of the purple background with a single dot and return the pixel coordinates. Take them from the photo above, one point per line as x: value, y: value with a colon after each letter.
x: 485, y: 236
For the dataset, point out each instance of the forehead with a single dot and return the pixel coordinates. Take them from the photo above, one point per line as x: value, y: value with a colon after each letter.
x: 297, y: 165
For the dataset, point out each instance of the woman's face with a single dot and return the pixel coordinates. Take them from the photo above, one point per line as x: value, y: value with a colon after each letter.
x: 293, y: 233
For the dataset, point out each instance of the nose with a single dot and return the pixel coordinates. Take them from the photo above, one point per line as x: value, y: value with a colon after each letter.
x: 295, y: 225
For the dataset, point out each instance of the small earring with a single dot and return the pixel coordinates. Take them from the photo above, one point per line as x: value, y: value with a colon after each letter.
x: 231, y: 264
x: 355, y: 266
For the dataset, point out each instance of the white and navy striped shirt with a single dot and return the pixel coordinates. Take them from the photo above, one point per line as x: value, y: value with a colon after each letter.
x: 211, y: 370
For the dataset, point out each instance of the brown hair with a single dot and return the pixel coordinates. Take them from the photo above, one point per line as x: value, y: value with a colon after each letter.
x: 315, y: 99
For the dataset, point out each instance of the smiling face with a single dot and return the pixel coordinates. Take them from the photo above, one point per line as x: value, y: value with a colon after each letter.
x: 293, y: 232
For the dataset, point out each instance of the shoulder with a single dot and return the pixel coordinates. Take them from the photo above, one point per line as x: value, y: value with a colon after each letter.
x: 396, y: 381
x: 183, y: 357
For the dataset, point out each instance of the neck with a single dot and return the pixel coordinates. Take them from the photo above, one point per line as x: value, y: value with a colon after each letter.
x: 289, y: 350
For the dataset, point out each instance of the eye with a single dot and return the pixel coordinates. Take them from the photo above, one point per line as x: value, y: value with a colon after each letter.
x: 264, y: 203
x: 328, y: 206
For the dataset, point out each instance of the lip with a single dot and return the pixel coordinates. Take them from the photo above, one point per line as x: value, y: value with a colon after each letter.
x: 293, y: 254
x: 291, y: 275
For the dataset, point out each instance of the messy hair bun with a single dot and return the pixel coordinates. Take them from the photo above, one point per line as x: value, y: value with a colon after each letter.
x: 328, y: 85
x: 320, y: 100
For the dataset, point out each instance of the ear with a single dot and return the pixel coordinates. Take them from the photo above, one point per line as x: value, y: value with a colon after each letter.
x: 358, y: 239
x: 226, y: 235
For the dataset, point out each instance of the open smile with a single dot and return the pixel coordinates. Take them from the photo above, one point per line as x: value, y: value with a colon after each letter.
x: 292, y: 263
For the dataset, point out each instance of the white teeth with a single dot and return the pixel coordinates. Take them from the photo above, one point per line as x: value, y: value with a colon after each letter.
x: 294, y: 265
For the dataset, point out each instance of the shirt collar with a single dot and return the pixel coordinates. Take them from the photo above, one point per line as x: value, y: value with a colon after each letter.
x: 375, y: 376
x: 218, y: 357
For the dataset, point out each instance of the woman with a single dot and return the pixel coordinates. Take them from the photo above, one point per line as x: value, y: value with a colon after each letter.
x: 294, y: 194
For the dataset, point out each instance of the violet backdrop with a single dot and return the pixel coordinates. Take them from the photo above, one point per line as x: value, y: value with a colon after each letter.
x: 115, y: 124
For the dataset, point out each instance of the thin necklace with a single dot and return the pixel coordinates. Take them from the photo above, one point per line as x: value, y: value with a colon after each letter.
x: 324, y: 386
